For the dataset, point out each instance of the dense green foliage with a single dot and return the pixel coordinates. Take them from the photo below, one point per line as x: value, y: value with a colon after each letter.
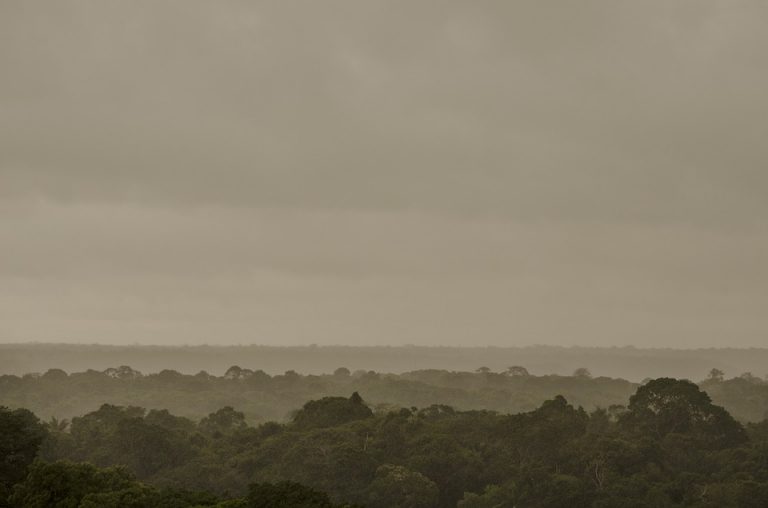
x: 669, y: 446
x: 21, y: 434
x: 67, y: 485
x: 63, y: 485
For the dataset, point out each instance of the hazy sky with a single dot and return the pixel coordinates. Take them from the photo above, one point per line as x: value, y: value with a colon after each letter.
x: 364, y: 172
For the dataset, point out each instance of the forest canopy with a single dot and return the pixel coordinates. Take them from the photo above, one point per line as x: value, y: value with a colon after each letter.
x: 667, y: 445
x: 263, y: 397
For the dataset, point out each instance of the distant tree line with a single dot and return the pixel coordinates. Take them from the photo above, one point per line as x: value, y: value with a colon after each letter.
x: 263, y: 398
x: 629, y: 363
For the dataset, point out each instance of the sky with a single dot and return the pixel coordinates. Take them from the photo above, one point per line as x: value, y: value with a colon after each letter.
x: 384, y: 172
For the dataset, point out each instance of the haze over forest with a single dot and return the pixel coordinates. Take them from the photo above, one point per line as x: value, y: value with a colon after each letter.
x: 383, y: 254
x: 384, y: 173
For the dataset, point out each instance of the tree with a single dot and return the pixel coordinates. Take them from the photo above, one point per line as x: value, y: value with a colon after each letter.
x: 750, y: 378
x: 133, y: 496
x: 442, y: 458
x: 169, y: 376
x: 146, y: 448
x: 285, y: 494
x: 341, y: 372
x: 21, y: 434
x: 224, y: 421
x: 543, y: 435
x: 716, y: 375
x: 64, y: 484
x: 163, y: 418
x: 330, y: 411
x: 57, y: 425
x: 68, y: 485
x: 55, y: 375
x: 58, y: 443
x: 517, y: 371
x: 234, y: 372
x: 494, y: 496
x: 582, y: 372
x: 555, y: 491
x: 93, y: 433
x: 667, y: 405
x: 123, y: 372
x: 399, y: 487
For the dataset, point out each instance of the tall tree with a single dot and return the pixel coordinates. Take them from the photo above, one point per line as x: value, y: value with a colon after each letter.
x: 21, y: 434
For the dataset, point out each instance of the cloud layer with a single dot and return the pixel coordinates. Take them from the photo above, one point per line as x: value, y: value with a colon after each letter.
x: 384, y: 172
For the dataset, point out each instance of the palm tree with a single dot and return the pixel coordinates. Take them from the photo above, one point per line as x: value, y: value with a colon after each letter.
x: 57, y: 425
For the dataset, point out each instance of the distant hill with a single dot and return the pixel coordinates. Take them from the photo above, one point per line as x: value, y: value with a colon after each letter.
x: 634, y: 364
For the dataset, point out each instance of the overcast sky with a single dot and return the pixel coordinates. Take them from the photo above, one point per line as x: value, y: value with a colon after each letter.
x: 359, y: 172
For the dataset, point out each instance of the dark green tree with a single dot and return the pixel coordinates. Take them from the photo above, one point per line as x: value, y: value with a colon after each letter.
x: 21, y: 434
x: 65, y: 485
x: 330, y: 411
x: 666, y: 405
x: 224, y: 421
x: 399, y: 487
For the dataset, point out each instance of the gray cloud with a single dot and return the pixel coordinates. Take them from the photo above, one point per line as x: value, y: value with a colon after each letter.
x: 372, y: 172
